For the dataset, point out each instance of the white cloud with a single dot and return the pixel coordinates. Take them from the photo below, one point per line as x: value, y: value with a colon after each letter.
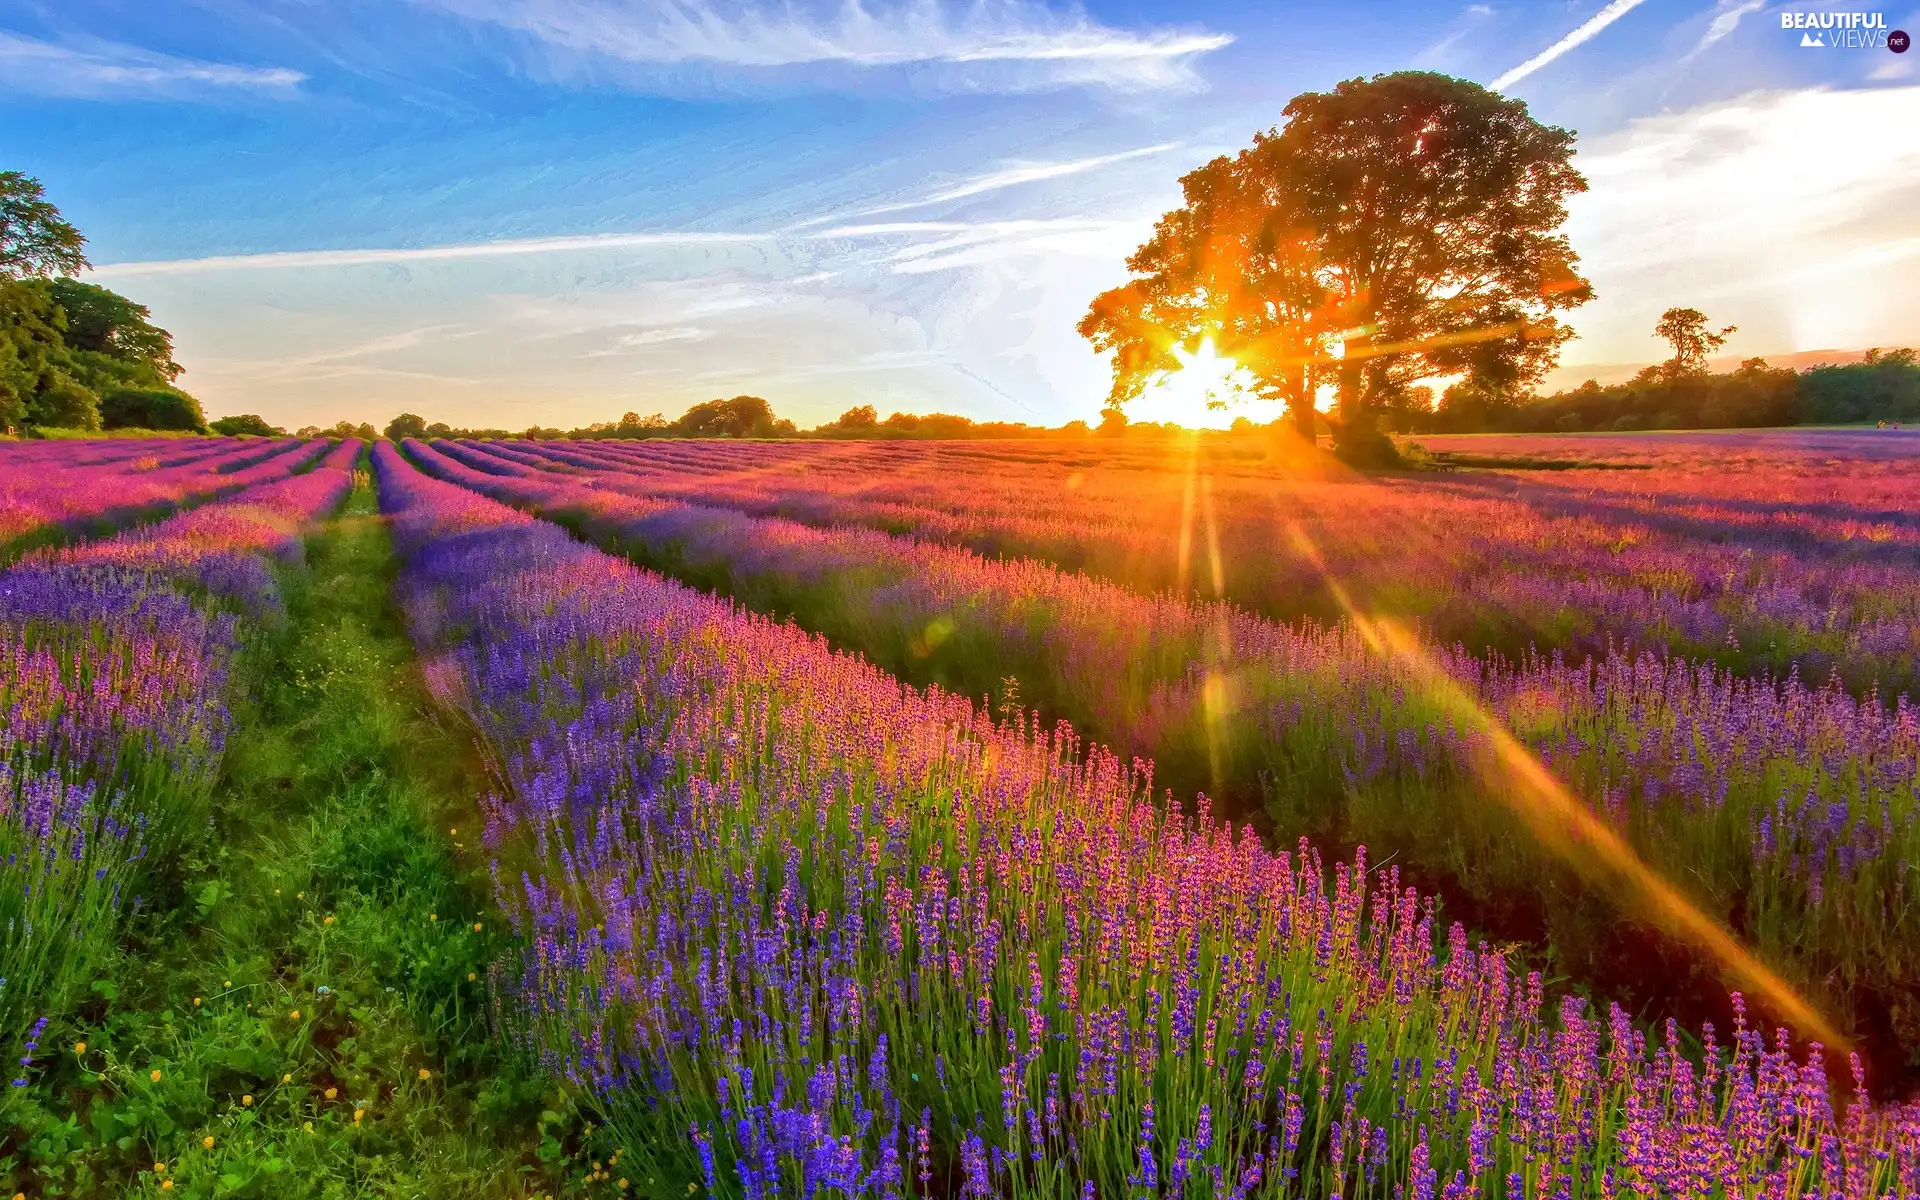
x: 1017, y: 174
x: 92, y: 68
x: 991, y: 44
x: 295, y: 259
x: 1786, y: 213
x: 1584, y: 33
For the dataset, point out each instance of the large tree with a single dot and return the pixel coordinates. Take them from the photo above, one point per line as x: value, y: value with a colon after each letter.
x: 35, y: 240
x: 1394, y: 229
x: 1237, y: 264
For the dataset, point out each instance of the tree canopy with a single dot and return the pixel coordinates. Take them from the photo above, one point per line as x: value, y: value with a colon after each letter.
x: 1395, y: 229
x: 742, y: 416
x: 406, y: 425
x: 35, y: 240
x: 105, y: 322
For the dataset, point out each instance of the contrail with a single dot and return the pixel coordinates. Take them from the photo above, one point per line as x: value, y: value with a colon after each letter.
x: 1600, y: 20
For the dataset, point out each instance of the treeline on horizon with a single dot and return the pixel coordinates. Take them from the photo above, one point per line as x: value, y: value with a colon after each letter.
x: 737, y: 417
x: 1884, y: 386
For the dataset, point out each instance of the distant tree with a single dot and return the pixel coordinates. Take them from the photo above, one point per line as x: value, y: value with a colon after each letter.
x: 347, y: 429
x: 151, y: 408
x: 1408, y: 409
x: 246, y: 424
x: 439, y: 429
x: 742, y: 416
x: 859, y: 422
x: 1397, y: 228
x: 35, y: 240
x: 100, y: 321
x: 1885, y: 385
x: 1685, y: 329
x: 1113, y: 421
x: 406, y: 425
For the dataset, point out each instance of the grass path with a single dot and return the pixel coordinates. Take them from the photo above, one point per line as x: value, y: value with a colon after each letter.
x: 311, y: 1018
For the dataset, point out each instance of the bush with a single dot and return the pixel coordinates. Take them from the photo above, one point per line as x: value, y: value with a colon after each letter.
x: 151, y: 408
x: 63, y: 403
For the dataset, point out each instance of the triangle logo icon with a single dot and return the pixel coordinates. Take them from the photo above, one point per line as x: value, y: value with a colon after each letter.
x: 1813, y: 39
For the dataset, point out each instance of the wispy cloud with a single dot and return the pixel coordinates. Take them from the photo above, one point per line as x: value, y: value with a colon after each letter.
x: 929, y: 246
x: 989, y: 44
x: 92, y: 68
x: 1584, y: 33
x: 1440, y: 53
x: 1806, y: 258
x: 1017, y: 174
x: 292, y: 259
x: 1726, y: 18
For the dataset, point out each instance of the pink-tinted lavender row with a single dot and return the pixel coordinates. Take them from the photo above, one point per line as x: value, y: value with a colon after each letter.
x: 1790, y: 810
x: 1810, y: 564
x: 43, y: 496
x: 116, y: 663
x: 804, y: 930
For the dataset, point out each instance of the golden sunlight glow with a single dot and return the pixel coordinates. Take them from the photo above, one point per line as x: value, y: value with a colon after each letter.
x: 1566, y: 828
x: 1207, y: 391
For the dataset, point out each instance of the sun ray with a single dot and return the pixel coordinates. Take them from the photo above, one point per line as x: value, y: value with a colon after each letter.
x: 1564, y: 826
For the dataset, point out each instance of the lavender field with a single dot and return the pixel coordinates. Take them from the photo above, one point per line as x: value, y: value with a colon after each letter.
x: 1073, y: 819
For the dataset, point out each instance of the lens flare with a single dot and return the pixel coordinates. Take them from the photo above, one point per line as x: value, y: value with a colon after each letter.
x: 1564, y: 825
x: 1206, y: 391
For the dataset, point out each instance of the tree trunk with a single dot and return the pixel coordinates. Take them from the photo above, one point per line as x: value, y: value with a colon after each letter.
x: 1300, y: 404
x: 1357, y: 438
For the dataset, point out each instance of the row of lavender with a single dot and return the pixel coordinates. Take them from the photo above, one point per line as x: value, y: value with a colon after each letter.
x: 1790, y: 812
x: 117, y: 668
x: 60, y: 490
x: 1815, y: 564
x: 806, y: 931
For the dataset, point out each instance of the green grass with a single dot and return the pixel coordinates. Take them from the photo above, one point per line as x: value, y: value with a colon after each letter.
x: 325, y: 955
x: 53, y: 433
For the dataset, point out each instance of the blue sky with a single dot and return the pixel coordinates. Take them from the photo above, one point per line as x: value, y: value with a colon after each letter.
x: 553, y: 211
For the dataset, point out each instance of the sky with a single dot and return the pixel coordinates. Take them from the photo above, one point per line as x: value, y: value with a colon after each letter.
x: 516, y: 212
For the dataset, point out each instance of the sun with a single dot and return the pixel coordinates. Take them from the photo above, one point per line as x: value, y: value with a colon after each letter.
x: 1206, y: 391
